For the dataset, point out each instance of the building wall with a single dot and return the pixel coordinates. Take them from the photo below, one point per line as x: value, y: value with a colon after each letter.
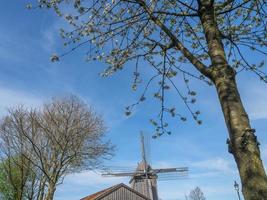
x: 147, y: 187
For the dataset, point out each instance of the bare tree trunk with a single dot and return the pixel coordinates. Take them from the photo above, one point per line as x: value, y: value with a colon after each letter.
x: 41, y: 189
x: 51, y: 191
x: 243, y: 142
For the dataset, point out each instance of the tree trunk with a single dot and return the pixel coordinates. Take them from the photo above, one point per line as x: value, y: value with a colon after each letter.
x: 41, y: 188
x: 51, y: 191
x: 243, y: 143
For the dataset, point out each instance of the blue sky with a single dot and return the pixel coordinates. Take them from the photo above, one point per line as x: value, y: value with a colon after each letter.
x: 28, y: 38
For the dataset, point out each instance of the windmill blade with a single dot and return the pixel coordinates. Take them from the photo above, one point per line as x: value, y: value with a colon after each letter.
x: 173, y: 175
x: 148, y: 148
x: 143, y: 148
x: 168, y: 170
x: 172, y: 178
x: 118, y: 169
x: 136, y: 173
x: 119, y: 174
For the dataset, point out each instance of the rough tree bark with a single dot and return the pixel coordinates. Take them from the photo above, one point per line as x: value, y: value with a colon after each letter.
x: 242, y: 143
x: 51, y: 191
x: 242, y: 140
x: 41, y: 190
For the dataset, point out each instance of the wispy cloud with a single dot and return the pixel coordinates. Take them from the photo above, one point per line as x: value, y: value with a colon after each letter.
x: 178, y: 190
x: 212, y: 167
x: 50, y: 36
x: 264, y: 155
x: 90, y: 178
x: 81, y: 184
x: 255, y: 98
x: 49, y: 40
x: 92, y: 181
x: 13, y: 97
x: 217, y: 190
x: 264, y: 152
x: 215, y: 164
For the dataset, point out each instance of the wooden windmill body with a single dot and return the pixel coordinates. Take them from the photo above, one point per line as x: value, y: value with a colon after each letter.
x: 144, y: 178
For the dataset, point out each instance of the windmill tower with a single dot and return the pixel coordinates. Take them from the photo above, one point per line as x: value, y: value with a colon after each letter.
x: 144, y: 178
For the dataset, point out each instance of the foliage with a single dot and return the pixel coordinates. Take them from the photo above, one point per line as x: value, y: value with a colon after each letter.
x: 5, y: 187
x: 15, y: 177
x: 63, y: 137
x: 166, y: 34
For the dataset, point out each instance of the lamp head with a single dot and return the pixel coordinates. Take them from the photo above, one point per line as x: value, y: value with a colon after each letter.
x: 236, y: 186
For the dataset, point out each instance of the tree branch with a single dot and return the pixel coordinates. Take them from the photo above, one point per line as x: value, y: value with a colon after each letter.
x: 177, y: 43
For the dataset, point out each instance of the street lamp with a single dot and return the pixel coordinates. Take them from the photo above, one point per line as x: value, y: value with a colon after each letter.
x: 237, y: 190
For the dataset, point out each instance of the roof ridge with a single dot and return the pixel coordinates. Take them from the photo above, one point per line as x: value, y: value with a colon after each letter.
x: 100, y: 193
x: 104, y: 192
x: 134, y: 191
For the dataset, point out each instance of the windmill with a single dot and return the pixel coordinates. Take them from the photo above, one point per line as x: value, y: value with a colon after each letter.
x: 144, y: 178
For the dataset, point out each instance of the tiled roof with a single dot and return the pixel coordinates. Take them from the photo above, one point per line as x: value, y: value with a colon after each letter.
x: 109, y: 190
x: 100, y: 193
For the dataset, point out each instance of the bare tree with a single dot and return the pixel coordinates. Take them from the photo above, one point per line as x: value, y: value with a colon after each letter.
x: 63, y: 137
x: 212, y: 36
x: 196, y: 194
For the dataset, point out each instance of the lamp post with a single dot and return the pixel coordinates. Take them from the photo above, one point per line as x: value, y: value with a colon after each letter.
x: 237, y: 190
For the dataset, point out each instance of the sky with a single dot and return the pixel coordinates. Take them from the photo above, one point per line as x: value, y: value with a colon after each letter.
x: 28, y: 38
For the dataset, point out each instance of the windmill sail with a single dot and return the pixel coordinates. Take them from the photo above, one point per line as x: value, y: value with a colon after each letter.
x: 145, y: 183
x: 144, y: 178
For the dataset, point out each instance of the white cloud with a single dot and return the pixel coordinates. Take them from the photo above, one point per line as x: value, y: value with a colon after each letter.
x: 175, y: 190
x: 204, y: 168
x: 92, y: 181
x: 264, y: 156
x: 49, y: 40
x: 204, y: 175
x: 178, y: 190
x: 264, y: 152
x: 81, y: 184
x: 91, y: 178
x: 51, y: 35
x: 255, y: 98
x: 12, y: 97
x: 216, y: 164
x: 217, y: 190
x: 163, y: 164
